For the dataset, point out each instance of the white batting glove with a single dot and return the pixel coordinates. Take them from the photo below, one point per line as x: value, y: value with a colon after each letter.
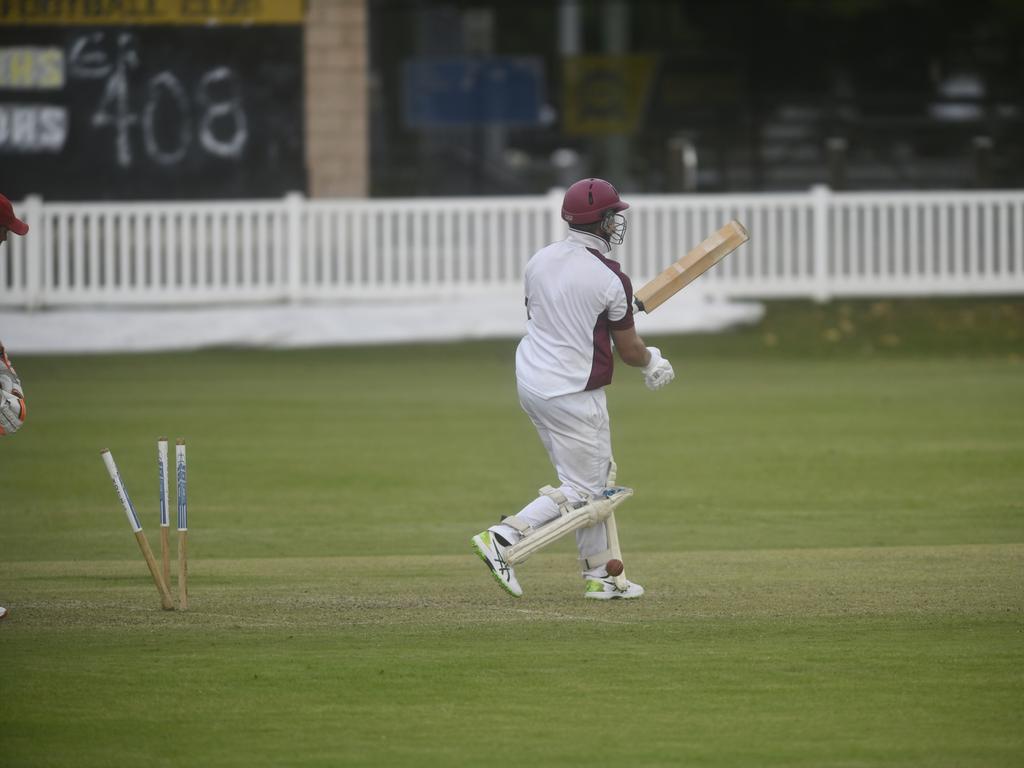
x: 658, y: 372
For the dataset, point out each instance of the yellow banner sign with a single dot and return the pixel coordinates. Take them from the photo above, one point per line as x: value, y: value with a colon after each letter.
x: 605, y: 95
x: 76, y: 13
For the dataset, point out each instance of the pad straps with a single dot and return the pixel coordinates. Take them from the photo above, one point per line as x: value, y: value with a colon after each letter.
x: 514, y: 522
x: 561, y: 500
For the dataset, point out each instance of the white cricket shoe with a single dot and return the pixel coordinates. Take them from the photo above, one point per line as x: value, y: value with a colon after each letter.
x: 606, y: 589
x: 492, y: 553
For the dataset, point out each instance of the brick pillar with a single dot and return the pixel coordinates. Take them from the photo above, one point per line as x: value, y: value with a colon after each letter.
x: 337, y: 108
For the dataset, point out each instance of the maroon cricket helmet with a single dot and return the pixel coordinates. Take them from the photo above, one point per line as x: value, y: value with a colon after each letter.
x: 588, y: 200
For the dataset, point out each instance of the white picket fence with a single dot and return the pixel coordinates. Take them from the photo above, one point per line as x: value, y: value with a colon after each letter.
x: 817, y: 244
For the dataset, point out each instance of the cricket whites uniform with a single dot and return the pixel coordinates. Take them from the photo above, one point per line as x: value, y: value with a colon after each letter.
x: 575, y: 296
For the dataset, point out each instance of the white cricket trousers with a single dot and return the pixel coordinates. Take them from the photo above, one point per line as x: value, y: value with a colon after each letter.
x: 575, y: 432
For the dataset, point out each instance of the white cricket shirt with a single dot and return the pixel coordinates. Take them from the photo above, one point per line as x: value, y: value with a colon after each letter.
x: 575, y: 297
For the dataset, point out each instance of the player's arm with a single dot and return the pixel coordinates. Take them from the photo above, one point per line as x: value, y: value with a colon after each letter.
x: 656, y: 369
x: 631, y: 347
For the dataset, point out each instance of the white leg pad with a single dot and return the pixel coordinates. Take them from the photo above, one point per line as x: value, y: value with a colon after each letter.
x: 595, y: 511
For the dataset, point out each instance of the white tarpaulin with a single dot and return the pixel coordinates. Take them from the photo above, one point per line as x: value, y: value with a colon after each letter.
x: 495, y: 315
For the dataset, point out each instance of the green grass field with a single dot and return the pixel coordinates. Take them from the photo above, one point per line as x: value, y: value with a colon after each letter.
x: 829, y: 522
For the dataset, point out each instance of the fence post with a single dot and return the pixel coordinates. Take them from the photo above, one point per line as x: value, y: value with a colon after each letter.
x: 820, y: 195
x: 554, y: 203
x: 293, y: 202
x: 35, y: 263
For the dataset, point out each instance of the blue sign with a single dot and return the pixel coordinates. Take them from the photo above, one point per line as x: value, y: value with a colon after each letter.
x: 472, y: 90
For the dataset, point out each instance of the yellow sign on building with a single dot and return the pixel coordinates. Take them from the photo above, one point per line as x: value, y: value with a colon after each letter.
x: 605, y: 95
x: 29, y: 67
x: 76, y: 13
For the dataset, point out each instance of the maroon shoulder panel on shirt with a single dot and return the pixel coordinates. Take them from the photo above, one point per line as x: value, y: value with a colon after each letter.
x: 603, y: 361
x: 626, y: 321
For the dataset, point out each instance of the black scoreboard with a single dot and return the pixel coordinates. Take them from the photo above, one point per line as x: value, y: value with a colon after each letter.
x: 160, y: 105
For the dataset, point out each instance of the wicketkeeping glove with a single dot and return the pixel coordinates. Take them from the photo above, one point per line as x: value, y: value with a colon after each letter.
x: 12, y: 397
x: 9, y: 381
x: 12, y: 413
x: 658, y: 372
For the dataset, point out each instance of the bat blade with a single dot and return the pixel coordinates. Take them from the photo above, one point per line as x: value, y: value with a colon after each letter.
x: 694, y: 264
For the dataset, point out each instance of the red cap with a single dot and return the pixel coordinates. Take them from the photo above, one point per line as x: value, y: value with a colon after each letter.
x: 9, y: 220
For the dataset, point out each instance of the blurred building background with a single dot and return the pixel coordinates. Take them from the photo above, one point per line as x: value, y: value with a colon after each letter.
x: 669, y: 95
x: 342, y: 98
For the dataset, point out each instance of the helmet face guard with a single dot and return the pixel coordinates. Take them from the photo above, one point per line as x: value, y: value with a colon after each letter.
x: 613, y: 227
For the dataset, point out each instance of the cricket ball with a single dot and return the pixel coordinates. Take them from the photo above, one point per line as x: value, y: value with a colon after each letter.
x: 614, y: 567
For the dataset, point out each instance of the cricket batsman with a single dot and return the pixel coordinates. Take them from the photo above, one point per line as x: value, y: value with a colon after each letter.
x: 578, y: 304
x: 12, y: 394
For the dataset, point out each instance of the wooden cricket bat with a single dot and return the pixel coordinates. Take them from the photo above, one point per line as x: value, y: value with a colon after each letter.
x: 691, y: 266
